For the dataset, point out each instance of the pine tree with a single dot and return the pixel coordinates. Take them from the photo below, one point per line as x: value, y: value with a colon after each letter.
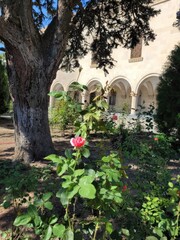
x: 168, y: 97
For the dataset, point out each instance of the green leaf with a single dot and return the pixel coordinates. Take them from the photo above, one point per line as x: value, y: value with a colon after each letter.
x: 48, y: 205
x: 63, y: 169
x: 54, y: 158
x: 170, y: 184
x: 75, y: 86
x: 85, y: 152
x: 38, y: 202
x: 73, y: 162
x: 46, y: 196
x: 87, y: 191
x: 106, y: 159
x: 99, y: 174
x: 73, y: 192
x: 125, y: 232
x: 60, y: 94
x: 63, y: 197
x: 109, y: 227
x: 91, y: 172
x: 105, y: 104
x: 22, y: 220
x: 58, y: 230
x: 32, y: 211
x: 98, y: 103
x: 68, y: 153
x: 103, y: 191
x: 151, y: 238
x: 48, y: 233
x: 37, y: 221
x: 68, y: 235
x: 53, y: 220
x: 58, y: 194
x: 86, y: 179
x: 67, y: 183
x: 78, y: 172
x: 158, y: 231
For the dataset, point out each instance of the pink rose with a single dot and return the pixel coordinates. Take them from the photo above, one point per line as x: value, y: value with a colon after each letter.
x: 77, y: 142
x: 156, y: 139
x: 114, y: 117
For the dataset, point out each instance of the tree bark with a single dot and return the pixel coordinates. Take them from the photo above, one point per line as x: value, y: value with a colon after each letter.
x: 32, y: 134
x: 29, y: 89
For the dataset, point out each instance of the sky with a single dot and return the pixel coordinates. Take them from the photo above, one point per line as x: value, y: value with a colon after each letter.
x: 1, y: 45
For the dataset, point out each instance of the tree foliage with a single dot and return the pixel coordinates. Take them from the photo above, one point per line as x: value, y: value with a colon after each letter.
x: 108, y: 24
x: 168, y: 97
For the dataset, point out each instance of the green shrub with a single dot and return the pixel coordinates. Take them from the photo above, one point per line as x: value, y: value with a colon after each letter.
x: 168, y: 110
x: 65, y: 112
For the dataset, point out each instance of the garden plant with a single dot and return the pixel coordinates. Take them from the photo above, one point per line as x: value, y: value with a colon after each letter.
x: 82, y: 196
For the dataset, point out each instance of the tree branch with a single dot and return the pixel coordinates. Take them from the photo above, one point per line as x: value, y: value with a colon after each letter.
x: 9, y: 32
x: 56, y: 36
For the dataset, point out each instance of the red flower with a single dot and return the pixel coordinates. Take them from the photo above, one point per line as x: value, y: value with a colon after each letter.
x: 124, y: 188
x: 156, y: 139
x: 77, y: 142
x: 114, y: 117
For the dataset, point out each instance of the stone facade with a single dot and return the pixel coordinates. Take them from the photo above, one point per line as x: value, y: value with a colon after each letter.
x: 135, y: 77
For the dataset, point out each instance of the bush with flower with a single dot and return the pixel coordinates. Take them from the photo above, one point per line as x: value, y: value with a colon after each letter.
x: 90, y: 195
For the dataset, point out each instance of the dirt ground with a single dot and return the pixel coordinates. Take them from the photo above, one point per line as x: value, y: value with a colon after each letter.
x: 7, y: 145
x: 7, y: 142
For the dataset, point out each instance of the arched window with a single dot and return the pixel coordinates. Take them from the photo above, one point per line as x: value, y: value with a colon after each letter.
x: 76, y: 96
x: 92, y: 96
x: 112, y: 97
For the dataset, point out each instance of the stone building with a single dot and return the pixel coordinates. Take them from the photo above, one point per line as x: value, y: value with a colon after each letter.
x: 134, y: 79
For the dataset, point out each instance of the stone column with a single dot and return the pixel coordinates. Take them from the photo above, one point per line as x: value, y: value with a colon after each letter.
x: 83, y: 97
x: 133, y: 102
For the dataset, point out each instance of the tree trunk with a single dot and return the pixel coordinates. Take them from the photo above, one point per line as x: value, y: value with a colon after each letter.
x: 32, y: 133
x: 33, y: 58
x: 29, y: 89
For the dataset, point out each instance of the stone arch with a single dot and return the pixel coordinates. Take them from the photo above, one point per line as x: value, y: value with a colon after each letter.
x: 122, y: 101
x: 76, y: 95
x: 94, y: 87
x: 147, y: 91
